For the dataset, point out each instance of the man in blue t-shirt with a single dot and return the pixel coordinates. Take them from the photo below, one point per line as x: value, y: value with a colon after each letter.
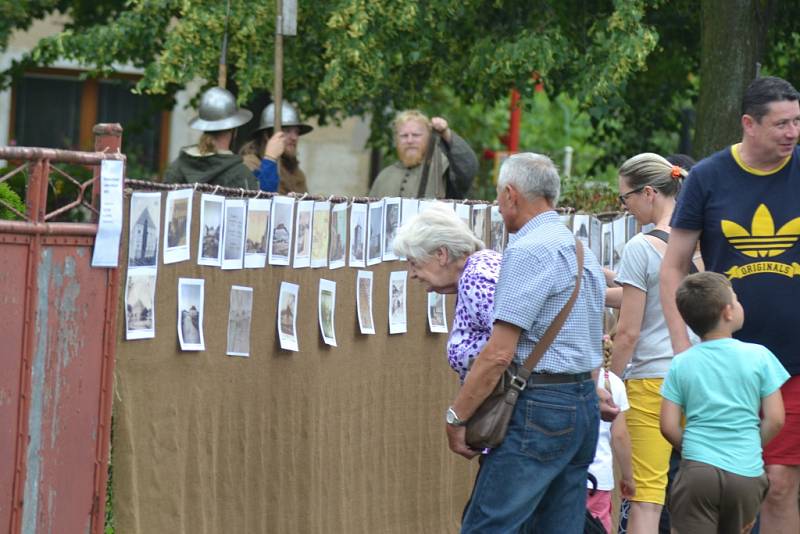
x: 743, y: 205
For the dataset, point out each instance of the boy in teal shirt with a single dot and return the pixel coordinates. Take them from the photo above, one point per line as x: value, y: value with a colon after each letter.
x: 720, y: 385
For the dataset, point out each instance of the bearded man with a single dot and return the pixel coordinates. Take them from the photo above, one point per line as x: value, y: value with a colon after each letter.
x: 447, y: 173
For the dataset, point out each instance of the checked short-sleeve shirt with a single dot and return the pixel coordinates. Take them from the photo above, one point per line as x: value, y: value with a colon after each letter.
x: 537, y: 277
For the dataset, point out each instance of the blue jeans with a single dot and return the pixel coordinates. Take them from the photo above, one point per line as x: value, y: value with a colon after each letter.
x: 535, y: 482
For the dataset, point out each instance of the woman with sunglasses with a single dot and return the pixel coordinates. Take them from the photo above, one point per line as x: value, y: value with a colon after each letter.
x: 648, y: 186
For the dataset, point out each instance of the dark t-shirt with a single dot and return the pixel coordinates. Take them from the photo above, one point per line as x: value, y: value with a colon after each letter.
x: 750, y: 223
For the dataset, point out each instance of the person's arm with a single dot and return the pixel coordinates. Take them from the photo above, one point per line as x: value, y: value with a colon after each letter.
x: 674, y: 269
x: 629, y: 327
x: 486, y: 370
x: 772, y: 416
x: 614, y: 297
x: 267, y: 175
x: 621, y: 445
x: 670, y: 422
x: 462, y: 159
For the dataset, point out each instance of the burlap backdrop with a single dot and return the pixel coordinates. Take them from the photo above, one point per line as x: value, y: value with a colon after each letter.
x: 347, y: 439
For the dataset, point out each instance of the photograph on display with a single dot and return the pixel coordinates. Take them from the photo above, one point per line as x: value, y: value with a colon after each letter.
x: 608, y: 246
x: 358, y: 235
x: 287, y: 316
x: 320, y: 234
x: 408, y: 208
x: 391, y: 222
x: 240, y: 315
x: 327, y: 307
x: 566, y: 220
x: 178, y: 218
x: 428, y: 204
x: 596, y: 237
x: 302, y: 247
x: 619, y: 240
x: 190, y: 313
x: 479, y: 221
x: 233, y: 233
x: 338, y: 240
x: 374, y: 232
x: 145, y: 225
x: 140, y: 292
x: 364, y: 302
x: 580, y: 226
x: 397, y: 302
x: 631, y: 227
x: 497, y: 230
x: 464, y: 212
x: 437, y: 319
x: 210, y: 251
x: 280, y: 230
x: 257, y: 232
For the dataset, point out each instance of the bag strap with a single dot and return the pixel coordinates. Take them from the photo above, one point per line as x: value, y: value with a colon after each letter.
x: 423, y: 180
x: 664, y: 236
x: 525, y: 370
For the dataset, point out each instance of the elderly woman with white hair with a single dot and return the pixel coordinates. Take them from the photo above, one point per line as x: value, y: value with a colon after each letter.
x: 444, y: 254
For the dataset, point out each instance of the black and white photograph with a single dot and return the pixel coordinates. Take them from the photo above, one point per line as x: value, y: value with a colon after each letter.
x: 409, y: 208
x: 140, y: 291
x: 257, y: 232
x: 619, y: 240
x: 210, y: 251
x: 240, y: 315
x: 391, y: 222
x: 479, y: 221
x: 358, y: 235
x: 596, y: 237
x: 631, y: 227
x: 374, y: 231
x: 177, y: 225
x: 280, y: 230
x: 364, y: 302
x: 190, y: 313
x: 608, y: 246
x: 397, y: 302
x: 497, y: 230
x: 464, y: 212
x: 580, y: 226
x: 437, y: 319
x: 233, y: 233
x: 302, y: 242
x: 338, y: 240
x: 287, y: 316
x: 320, y: 234
x: 145, y: 226
x: 327, y: 308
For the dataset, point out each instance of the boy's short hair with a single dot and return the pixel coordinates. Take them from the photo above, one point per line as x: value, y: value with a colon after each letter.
x: 701, y: 298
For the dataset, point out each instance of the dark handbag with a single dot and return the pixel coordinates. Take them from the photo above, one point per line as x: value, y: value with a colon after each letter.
x: 488, y: 425
x: 593, y: 525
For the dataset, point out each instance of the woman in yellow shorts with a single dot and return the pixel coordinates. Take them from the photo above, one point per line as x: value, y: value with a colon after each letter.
x: 648, y: 185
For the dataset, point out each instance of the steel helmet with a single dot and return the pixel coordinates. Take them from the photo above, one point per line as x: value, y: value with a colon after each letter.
x: 289, y: 117
x: 218, y: 111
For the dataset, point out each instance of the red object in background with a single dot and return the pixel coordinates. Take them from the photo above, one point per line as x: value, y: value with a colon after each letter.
x: 513, y: 122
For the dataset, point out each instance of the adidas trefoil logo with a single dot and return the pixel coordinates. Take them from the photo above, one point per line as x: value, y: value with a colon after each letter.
x: 762, y: 241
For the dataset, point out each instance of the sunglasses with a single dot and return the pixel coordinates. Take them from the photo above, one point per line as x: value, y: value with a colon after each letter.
x: 623, y: 198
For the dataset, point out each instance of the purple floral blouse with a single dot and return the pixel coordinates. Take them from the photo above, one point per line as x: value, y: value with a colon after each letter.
x: 472, y: 324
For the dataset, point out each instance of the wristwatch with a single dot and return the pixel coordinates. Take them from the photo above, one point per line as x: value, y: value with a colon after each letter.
x: 452, y: 418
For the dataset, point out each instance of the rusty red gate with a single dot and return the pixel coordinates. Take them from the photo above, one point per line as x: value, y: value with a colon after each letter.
x: 57, y: 335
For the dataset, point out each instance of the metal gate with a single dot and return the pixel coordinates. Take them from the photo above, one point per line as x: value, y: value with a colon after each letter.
x: 57, y: 335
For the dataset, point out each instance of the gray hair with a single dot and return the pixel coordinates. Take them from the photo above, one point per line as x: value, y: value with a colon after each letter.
x: 533, y: 175
x: 436, y: 227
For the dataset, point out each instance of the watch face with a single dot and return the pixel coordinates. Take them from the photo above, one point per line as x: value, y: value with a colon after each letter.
x: 450, y: 417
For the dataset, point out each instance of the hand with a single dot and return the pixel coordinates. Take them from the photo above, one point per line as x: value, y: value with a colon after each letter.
x: 457, y: 440
x: 608, y: 410
x: 275, y: 146
x: 627, y: 488
x: 440, y: 126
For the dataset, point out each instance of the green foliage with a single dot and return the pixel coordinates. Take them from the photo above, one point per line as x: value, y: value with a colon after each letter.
x: 10, y: 197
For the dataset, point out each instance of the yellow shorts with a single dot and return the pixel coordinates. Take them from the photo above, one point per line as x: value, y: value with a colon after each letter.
x: 649, y: 450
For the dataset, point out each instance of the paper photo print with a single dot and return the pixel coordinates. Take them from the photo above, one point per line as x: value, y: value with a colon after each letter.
x: 302, y: 247
x: 257, y: 232
x: 178, y: 222
x: 596, y: 237
x: 391, y: 222
x: 437, y: 321
x: 619, y: 240
x: 358, y: 235
x: 464, y: 212
x: 364, y: 302
x: 580, y: 227
x: 190, y: 313
x: 566, y: 220
x: 608, y: 246
x: 280, y: 230
x: 327, y: 307
x: 408, y: 208
x: 374, y: 231
x: 631, y: 227
x: 233, y: 233
x: 140, y: 292
x: 320, y: 234
x: 145, y: 226
x: 479, y: 221
x: 497, y: 230
x: 338, y: 239
x: 209, y: 246
x: 240, y: 315
x: 287, y: 316
x: 397, y: 302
